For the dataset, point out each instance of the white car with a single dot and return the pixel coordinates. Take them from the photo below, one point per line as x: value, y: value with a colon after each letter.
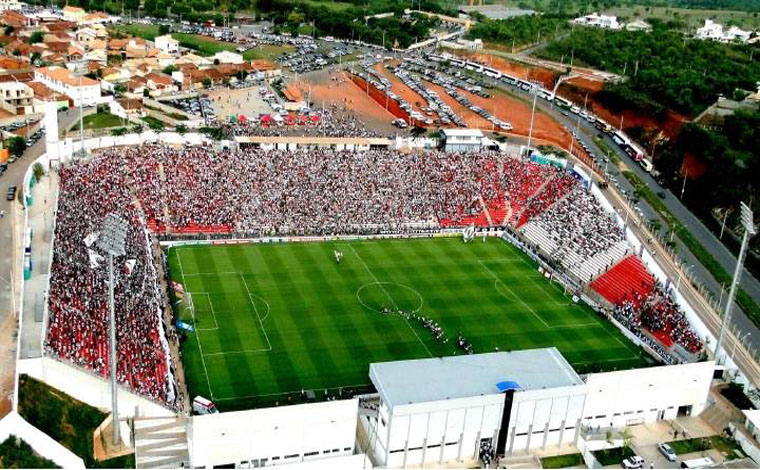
x: 633, y: 461
x: 667, y: 451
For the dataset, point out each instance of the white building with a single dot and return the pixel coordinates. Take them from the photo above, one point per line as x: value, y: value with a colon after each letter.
x: 167, y: 43
x: 227, y: 57
x: 432, y: 411
x: 440, y: 410
x: 462, y: 140
x: 598, y: 21
x: 713, y: 31
x: 273, y: 436
x: 81, y: 90
x: 17, y: 98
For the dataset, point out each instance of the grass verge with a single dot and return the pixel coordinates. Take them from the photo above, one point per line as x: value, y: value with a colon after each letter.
x: 727, y: 447
x: 612, y: 456
x: 562, y: 461
x: 100, y: 120
x: 66, y: 420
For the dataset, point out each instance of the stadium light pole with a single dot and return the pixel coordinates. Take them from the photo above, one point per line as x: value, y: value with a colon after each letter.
x: 534, y: 90
x: 749, y: 231
x: 112, y: 241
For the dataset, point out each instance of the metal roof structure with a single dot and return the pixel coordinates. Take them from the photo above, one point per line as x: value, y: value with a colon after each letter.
x: 452, y: 377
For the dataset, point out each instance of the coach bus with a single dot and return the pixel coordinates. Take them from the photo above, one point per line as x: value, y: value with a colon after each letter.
x: 545, y: 94
x: 562, y: 102
x: 633, y: 150
x: 602, y: 125
x: 508, y: 79
x: 473, y: 66
x: 492, y: 73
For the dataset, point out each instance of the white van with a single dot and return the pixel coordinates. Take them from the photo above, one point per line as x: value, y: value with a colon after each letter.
x: 646, y: 165
x: 203, y: 406
x: 702, y: 462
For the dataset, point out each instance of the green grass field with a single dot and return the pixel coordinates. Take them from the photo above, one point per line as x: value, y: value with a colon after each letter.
x: 273, y: 319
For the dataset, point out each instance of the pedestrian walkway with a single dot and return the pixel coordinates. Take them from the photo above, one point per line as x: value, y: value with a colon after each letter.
x: 40, y: 219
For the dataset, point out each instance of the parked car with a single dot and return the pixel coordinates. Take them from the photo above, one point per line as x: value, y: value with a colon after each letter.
x: 667, y: 451
x: 634, y: 461
x: 11, y: 195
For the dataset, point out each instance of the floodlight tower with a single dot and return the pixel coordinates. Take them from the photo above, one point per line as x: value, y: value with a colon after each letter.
x: 749, y: 231
x: 534, y: 92
x: 112, y: 241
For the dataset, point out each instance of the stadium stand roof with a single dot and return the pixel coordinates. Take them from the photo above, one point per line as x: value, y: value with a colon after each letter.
x: 452, y: 377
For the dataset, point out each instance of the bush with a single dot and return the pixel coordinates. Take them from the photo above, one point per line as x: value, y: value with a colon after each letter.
x: 15, y: 453
x: 734, y: 393
x: 612, y: 456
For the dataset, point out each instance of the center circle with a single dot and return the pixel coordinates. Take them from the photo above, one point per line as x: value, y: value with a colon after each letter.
x: 380, y: 295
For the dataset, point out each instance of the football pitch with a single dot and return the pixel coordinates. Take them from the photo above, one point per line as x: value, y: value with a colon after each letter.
x: 272, y: 320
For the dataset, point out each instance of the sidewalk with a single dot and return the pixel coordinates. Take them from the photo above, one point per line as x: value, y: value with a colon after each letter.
x: 41, y: 216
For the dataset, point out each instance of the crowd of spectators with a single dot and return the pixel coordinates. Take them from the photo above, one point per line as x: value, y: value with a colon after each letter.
x: 578, y: 224
x: 78, y: 294
x: 554, y: 190
x: 303, y: 192
x: 331, y: 121
x: 655, y: 311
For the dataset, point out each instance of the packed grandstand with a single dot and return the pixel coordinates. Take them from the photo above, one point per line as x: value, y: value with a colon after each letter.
x: 163, y: 190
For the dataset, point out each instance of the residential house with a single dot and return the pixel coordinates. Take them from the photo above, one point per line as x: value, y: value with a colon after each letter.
x: 159, y: 83
x: 127, y: 108
x: 227, y: 57
x: 80, y: 90
x: 598, y: 21
x: 85, y: 35
x: 167, y: 44
x: 16, y: 98
x: 74, y: 14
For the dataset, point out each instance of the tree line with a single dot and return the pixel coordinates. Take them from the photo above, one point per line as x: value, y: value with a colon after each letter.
x: 662, y: 69
x: 519, y: 31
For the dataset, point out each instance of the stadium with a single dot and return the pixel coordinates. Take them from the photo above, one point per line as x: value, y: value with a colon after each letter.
x: 329, y: 301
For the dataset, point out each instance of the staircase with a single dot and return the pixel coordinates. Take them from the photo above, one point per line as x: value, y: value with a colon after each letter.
x: 161, y: 442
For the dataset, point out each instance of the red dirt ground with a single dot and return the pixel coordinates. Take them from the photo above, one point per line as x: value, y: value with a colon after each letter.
x: 338, y: 88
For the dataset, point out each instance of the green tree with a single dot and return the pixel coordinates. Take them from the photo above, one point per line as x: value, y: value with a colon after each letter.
x: 156, y: 125
x: 16, y: 146
x: 163, y: 29
x: 181, y: 129
x: 36, y: 37
x: 38, y: 172
x: 137, y: 128
x: 118, y: 131
x: 206, y: 82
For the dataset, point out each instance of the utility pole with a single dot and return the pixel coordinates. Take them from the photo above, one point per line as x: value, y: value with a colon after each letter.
x: 534, y: 90
x: 749, y: 231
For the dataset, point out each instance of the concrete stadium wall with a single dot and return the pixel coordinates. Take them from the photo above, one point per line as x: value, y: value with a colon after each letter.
x: 281, y: 435
x: 89, y: 388
x: 646, y: 395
